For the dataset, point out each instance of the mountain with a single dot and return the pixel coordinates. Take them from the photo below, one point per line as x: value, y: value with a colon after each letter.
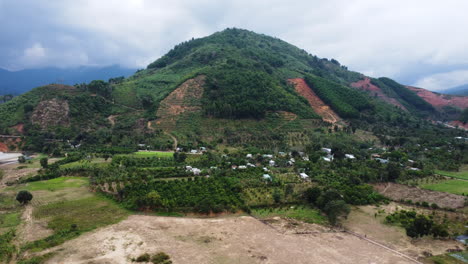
x: 458, y: 90
x: 234, y: 87
x: 18, y: 82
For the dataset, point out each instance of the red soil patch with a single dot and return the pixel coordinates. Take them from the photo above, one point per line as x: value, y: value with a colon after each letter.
x: 327, y: 114
x: 366, y: 85
x: 19, y: 127
x: 440, y: 100
x: 459, y: 124
x: 3, y: 147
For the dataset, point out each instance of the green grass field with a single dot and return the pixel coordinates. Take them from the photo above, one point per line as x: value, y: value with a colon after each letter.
x: 302, y: 213
x: 462, y: 174
x: 161, y: 154
x: 69, y: 208
x: 8, y: 220
x: 81, y: 163
x: 88, y: 213
x: 54, y: 184
x: 450, y: 186
x: 452, y: 258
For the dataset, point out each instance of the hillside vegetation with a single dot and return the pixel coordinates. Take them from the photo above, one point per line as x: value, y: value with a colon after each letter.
x: 245, y: 98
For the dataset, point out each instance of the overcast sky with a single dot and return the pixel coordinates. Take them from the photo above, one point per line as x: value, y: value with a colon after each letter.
x: 417, y: 42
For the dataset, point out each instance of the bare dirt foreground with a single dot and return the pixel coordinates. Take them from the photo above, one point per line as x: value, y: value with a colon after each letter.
x: 220, y: 240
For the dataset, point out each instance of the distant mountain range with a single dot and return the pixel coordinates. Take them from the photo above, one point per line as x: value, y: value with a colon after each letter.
x: 18, y: 82
x: 459, y: 90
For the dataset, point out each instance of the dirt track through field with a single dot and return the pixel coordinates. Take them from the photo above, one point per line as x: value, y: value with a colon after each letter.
x: 218, y: 240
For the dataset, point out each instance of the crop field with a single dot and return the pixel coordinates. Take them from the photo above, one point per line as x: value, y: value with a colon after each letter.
x: 462, y: 174
x: 161, y: 154
x: 54, y: 184
x: 459, y: 187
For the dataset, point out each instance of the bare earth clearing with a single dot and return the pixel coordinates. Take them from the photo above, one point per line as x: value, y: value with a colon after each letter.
x: 362, y: 220
x: 315, y: 102
x: 399, y: 191
x: 220, y: 240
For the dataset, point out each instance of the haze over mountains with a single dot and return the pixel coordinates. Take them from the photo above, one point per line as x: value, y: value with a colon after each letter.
x: 459, y: 90
x: 18, y: 82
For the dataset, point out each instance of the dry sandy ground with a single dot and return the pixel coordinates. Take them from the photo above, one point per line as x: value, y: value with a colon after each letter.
x: 12, y: 174
x: 220, y: 240
x: 399, y: 191
x: 362, y: 220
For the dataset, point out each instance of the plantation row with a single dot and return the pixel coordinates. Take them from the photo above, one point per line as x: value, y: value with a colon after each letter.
x: 345, y: 101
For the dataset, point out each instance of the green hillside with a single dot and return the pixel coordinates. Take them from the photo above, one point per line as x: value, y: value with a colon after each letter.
x: 241, y: 96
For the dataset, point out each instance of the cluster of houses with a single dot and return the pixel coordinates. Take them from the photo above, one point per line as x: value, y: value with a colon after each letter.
x: 200, y: 150
x: 329, y: 156
x: 270, y: 161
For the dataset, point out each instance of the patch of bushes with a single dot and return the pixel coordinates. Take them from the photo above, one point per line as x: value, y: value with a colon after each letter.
x: 417, y: 225
x: 159, y: 258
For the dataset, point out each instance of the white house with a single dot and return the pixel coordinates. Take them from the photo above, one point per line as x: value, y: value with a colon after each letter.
x: 196, y: 171
x: 251, y: 165
x: 269, y: 156
x: 350, y: 156
x: 383, y: 161
x: 265, y: 169
x: 327, y: 150
x: 249, y: 156
x: 303, y: 176
x: 272, y: 163
x: 242, y: 167
x: 194, y: 151
x: 266, y: 177
x: 326, y: 159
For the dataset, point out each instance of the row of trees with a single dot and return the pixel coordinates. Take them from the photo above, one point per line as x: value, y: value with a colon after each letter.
x: 345, y: 101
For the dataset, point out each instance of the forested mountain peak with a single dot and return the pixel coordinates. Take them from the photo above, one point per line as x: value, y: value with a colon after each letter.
x: 229, y: 81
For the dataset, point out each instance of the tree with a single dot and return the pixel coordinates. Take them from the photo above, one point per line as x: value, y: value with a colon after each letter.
x: 394, y: 171
x: 180, y: 156
x: 277, y: 196
x: 21, y: 159
x: 336, y: 209
x: 24, y: 197
x: 44, y: 162
x: 153, y: 199
x: 312, y: 194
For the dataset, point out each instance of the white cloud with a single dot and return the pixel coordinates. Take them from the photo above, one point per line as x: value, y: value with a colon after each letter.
x: 442, y: 81
x: 34, y: 54
x: 384, y: 38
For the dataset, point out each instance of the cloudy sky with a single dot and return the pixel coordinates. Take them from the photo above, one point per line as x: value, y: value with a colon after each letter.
x: 417, y: 42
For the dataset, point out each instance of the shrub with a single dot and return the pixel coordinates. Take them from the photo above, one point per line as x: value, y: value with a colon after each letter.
x: 143, y: 258
x: 161, y: 258
x: 24, y: 197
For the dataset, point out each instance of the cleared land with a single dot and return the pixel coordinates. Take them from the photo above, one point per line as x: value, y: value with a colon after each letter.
x: 398, y: 192
x: 220, y: 240
x: 369, y: 220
